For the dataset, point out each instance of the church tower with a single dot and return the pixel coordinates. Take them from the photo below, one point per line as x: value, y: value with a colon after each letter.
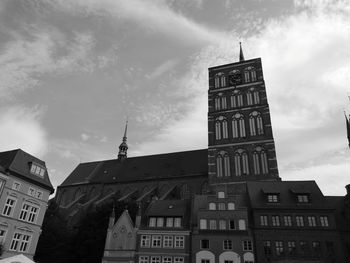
x: 241, y: 144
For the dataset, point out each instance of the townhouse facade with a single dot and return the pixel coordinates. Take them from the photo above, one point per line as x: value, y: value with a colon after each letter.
x: 24, y: 193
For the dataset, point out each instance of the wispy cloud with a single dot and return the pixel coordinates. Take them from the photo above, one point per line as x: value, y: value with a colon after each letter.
x: 21, y: 128
x: 155, y: 16
x: 163, y: 68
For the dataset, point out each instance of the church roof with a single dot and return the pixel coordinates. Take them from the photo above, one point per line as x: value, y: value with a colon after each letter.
x: 169, y: 165
x: 18, y: 163
x: 168, y: 208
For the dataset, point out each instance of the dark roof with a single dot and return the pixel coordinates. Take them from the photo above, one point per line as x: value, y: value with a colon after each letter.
x: 17, y: 162
x: 287, y: 190
x: 179, y: 164
x: 167, y: 208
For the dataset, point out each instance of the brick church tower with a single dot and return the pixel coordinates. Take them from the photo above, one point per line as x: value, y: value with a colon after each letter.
x: 241, y: 145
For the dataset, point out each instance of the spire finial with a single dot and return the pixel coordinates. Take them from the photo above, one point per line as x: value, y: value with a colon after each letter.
x: 123, y: 147
x: 241, y: 56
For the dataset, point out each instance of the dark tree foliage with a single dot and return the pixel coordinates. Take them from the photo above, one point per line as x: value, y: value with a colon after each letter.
x: 54, y: 241
x: 85, y: 243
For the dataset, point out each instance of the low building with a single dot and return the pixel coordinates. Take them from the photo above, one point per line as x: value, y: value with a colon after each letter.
x: 293, y: 222
x: 25, y: 188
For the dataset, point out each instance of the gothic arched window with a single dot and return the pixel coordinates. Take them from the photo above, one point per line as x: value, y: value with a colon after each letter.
x: 221, y: 131
x: 220, y: 80
x: 241, y: 162
x: 256, y: 123
x: 238, y: 126
x: 236, y: 99
x: 249, y: 98
x: 220, y: 102
x: 256, y: 97
x: 223, y: 164
x: 260, y: 161
x: 249, y: 74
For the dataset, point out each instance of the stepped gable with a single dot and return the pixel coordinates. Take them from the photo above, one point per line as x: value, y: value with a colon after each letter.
x: 287, y: 191
x: 151, y: 167
x: 18, y: 163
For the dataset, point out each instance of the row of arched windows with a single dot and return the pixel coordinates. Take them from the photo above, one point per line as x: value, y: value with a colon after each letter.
x: 236, y: 99
x: 235, y: 77
x: 240, y: 162
x: 238, y: 126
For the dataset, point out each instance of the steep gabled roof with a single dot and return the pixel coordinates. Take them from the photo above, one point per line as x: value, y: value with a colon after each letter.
x: 18, y: 163
x: 168, y: 208
x: 169, y: 165
x: 287, y: 191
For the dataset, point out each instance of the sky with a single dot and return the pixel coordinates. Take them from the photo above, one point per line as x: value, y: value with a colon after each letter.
x: 72, y: 71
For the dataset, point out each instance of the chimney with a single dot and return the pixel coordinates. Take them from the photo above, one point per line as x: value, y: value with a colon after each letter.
x: 138, y: 217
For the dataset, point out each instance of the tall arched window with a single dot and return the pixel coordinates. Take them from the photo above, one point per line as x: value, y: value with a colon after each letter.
x: 221, y: 131
x: 260, y: 161
x: 256, y: 124
x: 238, y: 126
x: 249, y: 98
x: 220, y: 102
x: 223, y: 164
x: 236, y: 99
x: 256, y: 96
x: 249, y: 74
x: 220, y: 80
x: 241, y: 162
x: 217, y: 103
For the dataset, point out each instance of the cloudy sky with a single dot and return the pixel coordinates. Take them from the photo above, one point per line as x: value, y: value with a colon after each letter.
x: 72, y: 70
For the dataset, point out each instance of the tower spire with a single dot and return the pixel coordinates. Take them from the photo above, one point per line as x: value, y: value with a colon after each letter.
x: 123, y: 147
x: 347, y: 127
x: 241, y: 56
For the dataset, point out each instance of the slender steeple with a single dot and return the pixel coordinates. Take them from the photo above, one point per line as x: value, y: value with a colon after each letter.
x: 241, y: 56
x: 123, y: 147
x: 347, y: 127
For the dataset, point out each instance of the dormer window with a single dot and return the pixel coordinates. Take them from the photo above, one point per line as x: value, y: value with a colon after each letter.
x: 37, y: 170
x: 273, y: 198
x: 303, y: 198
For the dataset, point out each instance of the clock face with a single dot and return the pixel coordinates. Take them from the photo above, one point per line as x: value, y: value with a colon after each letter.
x: 235, y: 79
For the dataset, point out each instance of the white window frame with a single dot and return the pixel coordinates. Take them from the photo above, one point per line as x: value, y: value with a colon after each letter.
x: 167, y: 259
x: 247, y: 245
x: 20, y: 242
x: 155, y: 259
x: 177, y: 222
x: 324, y: 221
x: 179, y: 241
x: 227, y: 244
x: 9, y: 208
x: 179, y: 259
x: 143, y: 259
x: 145, y: 241
x: 156, y: 241
x: 167, y: 241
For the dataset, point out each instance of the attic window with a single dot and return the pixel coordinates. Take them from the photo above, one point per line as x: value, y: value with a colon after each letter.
x: 37, y: 170
x: 273, y: 198
x: 303, y: 198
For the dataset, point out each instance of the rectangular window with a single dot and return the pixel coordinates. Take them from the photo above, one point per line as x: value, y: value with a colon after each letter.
x: 311, y: 220
x: 9, y: 205
x: 160, y: 221
x: 33, y: 214
x: 170, y: 222
x: 299, y: 220
x: 304, y: 247
x: 20, y: 242
x: 39, y: 194
x: 145, y: 240
x: 205, y: 261
x: 179, y: 241
x: 227, y: 244
x: 167, y: 259
x: 303, y: 198
x: 2, y: 235
x: 221, y: 195
x: 267, y: 247
x: 205, y: 244
x: 143, y: 259
x: 177, y: 222
x: 221, y: 206
x: 24, y: 212
x: 275, y: 220
x: 203, y: 224
x: 152, y: 222
x: 28, y: 213
x: 263, y: 221
x: 291, y: 247
x: 232, y: 225
x: 179, y: 260
x: 316, y: 248
x: 222, y: 224
x: 167, y: 241
x: 287, y: 220
x: 212, y: 224
x: 156, y: 241
x: 324, y: 221
x: 155, y: 259
x: 279, y: 248
x: 272, y: 198
x: 37, y: 170
x: 16, y: 186
x: 247, y: 245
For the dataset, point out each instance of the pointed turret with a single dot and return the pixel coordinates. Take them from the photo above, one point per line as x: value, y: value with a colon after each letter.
x: 347, y: 127
x: 241, y: 56
x: 123, y: 147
